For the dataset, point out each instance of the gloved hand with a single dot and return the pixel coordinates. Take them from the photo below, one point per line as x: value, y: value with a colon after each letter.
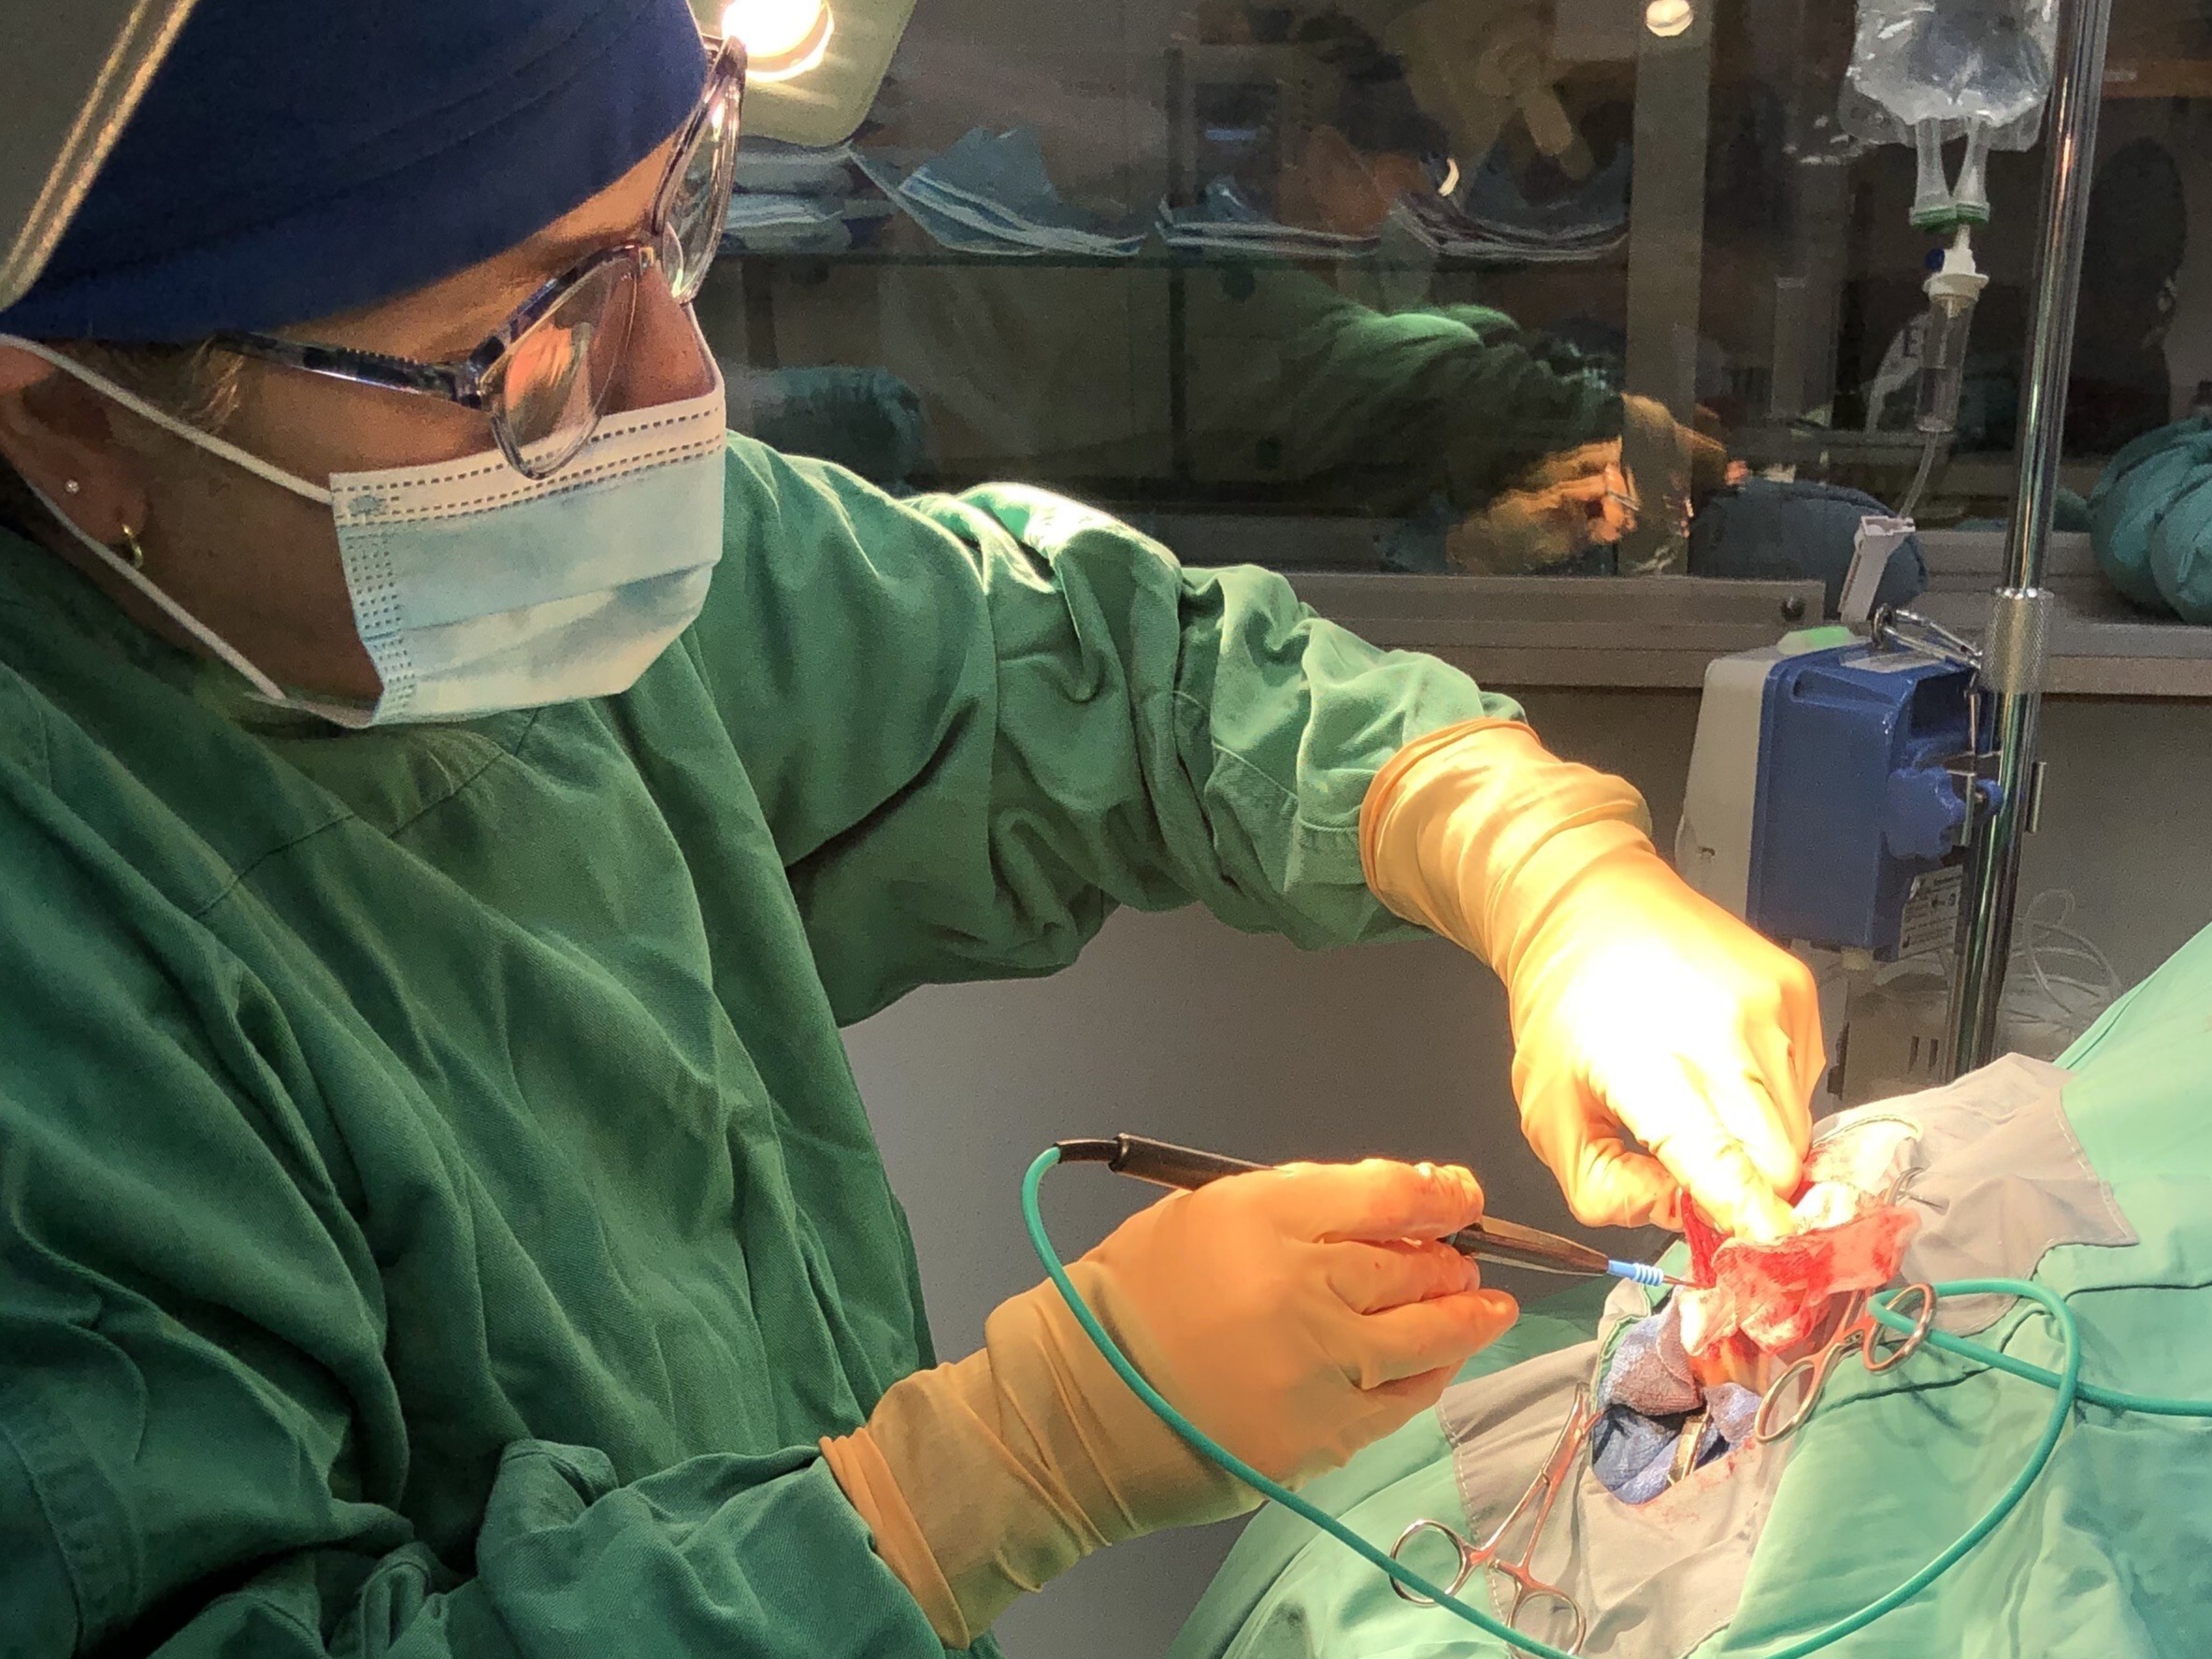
x: 1579, y: 497
x: 1660, y: 1045
x: 1474, y: 64
x: 1291, y: 1314
x: 1555, y: 511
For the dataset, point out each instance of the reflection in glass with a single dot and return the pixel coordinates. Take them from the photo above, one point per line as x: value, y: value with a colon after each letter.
x: 1363, y: 271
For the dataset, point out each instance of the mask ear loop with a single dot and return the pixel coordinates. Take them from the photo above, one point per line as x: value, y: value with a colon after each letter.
x: 128, y: 570
x: 169, y: 423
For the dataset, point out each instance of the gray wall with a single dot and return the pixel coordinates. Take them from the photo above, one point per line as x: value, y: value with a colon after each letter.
x: 1178, y: 1026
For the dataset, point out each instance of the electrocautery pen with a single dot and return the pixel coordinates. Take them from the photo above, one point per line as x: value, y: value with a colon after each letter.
x: 1165, y: 1165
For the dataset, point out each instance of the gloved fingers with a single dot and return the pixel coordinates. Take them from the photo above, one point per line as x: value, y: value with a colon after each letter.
x: 1589, y: 459
x: 1400, y: 1399
x: 1385, y: 1408
x: 1568, y: 505
x: 1761, y: 1112
x: 1788, y: 1043
x: 1421, y: 1336
x: 1377, y: 1198
x: 1583, y: 487
x: 1419, y: 1392
x: 1607, y: 1183
x: 1692, y: 1123
x: 1788, y: 1074
x: 1368, y: 1278
x: 1808, y: 1044
x: 1616, y: 509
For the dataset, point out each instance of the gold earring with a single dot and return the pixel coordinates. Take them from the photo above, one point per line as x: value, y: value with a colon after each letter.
x: 130, y: 543
x: 70, y: 484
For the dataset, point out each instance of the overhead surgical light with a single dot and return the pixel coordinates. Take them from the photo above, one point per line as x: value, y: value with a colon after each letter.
x: 1668, y: 19
x: 811, y: 78
x: 784, y: 38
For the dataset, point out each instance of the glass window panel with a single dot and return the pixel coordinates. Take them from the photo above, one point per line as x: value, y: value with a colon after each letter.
x: 1445, y: 285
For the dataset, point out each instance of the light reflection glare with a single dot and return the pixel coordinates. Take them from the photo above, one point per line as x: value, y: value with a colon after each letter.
x: 782, y: 38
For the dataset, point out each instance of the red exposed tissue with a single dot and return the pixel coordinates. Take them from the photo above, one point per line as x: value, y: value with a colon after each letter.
x: 1777, y: 1294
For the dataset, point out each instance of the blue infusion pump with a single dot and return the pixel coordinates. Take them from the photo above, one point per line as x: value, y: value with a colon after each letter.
x: 1827, y: 798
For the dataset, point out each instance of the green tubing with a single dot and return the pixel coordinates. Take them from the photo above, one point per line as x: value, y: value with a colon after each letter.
x: 2065, y: 1384
x: 1206, y: 1447
x: 2089, y: 1394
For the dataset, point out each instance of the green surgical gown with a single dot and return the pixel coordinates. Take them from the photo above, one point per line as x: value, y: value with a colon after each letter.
x: 1293, y: 387
x: 435, y: 1214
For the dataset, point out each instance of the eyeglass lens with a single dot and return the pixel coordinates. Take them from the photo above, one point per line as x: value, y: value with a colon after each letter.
x: 555, y: 378
x: 699, y: 198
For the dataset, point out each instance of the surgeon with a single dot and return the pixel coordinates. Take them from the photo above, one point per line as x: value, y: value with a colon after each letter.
x: 452, y: 792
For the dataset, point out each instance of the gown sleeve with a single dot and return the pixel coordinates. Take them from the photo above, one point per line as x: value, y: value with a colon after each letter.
x: 978, y: 724
x: 1389, y: 408
x: 201, y: 1448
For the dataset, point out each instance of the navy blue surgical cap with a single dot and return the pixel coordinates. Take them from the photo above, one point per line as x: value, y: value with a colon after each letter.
x: 293, y: 158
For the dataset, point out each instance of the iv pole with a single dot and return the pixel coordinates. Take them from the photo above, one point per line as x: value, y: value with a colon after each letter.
x: 2016, y: 649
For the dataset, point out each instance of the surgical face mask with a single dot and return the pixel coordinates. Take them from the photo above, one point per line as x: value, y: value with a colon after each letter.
x: 477, y: 590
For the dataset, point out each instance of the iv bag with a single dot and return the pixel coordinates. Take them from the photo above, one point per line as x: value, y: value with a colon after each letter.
x: 1964, y: 64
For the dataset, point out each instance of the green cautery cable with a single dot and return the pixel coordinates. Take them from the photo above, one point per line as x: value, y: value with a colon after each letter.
x: 2065, y: 1384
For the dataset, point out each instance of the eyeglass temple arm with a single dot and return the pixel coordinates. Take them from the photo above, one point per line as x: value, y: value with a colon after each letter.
x: 368, y: 369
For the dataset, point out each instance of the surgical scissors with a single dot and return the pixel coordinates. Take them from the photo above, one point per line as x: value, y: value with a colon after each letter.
x: 1491, y: 1553
x: 1879, y: 1347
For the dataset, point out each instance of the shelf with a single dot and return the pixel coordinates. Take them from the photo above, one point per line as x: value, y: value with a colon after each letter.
x: 2101, y: 646
x: 1981, y: 474
x: 1599, y: 632
x: 1285, y: 541
x: 1156, y: 259
x: 1659, y: 632
x: 1973, y: 561
x: 1998, y: 475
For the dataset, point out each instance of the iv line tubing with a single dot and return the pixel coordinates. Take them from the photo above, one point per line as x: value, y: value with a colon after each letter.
x: 1920, y: 478
x: 2065, y: 1384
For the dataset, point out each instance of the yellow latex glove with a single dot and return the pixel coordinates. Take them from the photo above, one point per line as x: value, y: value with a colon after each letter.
x: 1660, y: 1045
x: 1569, y: 501
x: 1472, y: 67
x: 1293, y: 1315
x: 1561, y: 507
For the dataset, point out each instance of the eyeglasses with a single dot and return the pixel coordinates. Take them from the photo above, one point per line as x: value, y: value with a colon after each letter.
x: 543, y: 375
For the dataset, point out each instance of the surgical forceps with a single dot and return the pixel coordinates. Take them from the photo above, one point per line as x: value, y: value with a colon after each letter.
x: 1491, y: 1553
x: 1793, y: 1394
